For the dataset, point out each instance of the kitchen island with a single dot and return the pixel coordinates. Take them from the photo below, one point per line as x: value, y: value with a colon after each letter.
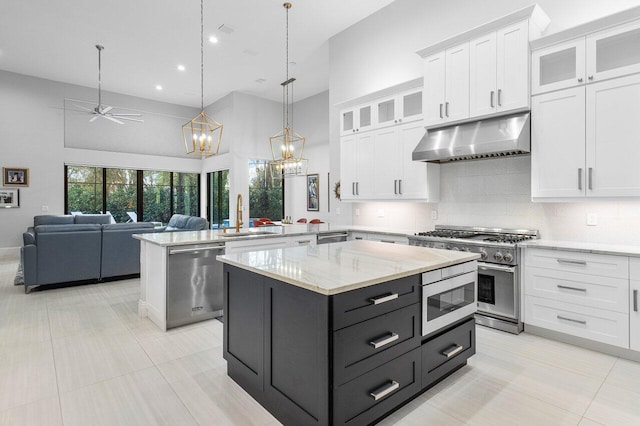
x: 331, y: 334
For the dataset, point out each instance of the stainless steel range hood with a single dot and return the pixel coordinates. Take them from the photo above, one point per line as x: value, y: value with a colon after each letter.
x: 492, y: 137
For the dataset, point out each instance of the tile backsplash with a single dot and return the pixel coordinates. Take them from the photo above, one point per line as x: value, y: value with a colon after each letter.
x: 497, y: 193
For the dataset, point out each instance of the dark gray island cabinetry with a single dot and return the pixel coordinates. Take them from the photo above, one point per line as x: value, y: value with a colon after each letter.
x: 327, y: 356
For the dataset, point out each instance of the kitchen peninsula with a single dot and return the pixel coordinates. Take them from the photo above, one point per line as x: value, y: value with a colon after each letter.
x: 338, y: 333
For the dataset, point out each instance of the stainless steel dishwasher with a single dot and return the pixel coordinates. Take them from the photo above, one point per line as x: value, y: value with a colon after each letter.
x: 194, y: 284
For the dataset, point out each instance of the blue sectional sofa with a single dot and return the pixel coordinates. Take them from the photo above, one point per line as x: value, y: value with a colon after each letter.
x: 180, y: 222
x: 62, y: 249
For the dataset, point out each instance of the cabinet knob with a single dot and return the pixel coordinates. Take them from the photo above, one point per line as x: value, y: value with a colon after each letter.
x: 400, y: 120
x: 580, y: 80
x: 354, y: 130
x: 590, y: 77
x: 357, y: 130
x: 395, y: 121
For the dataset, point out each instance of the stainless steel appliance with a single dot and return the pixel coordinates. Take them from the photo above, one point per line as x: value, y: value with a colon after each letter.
x: 491, y: 137
x: 498, y: 269
x: 194, y: 284
x: 448, y: 295
x: 332, y: 237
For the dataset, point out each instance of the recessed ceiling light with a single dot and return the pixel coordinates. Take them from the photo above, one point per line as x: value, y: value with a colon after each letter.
x: 181, y: 68
x: 213, y: 39
x: 158, y: 87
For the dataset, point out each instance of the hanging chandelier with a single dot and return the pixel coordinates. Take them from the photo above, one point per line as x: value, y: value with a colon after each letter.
x: 287, y: 146
x: 202, y: 134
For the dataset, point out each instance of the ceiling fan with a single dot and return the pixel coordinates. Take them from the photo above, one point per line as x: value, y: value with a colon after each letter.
x: 103, y: 110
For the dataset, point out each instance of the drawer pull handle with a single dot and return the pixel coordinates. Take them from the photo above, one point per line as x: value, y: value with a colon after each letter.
x: 382, y: 299
x: 383, y: 341
x: 635, y: 300
x: 388, y: 241
x: 572, y: 262
x: 566, y: 287
x: 453, y: 351
x: 385, y: 390
x: 560, y: 317
x: 304, y: 242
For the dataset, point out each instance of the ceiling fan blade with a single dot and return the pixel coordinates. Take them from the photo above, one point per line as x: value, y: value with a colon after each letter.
x: 112, y: 119
x: 106, y: 110
x: 129, y: 119
x: 93, y: 119
x: 117, y: 114
x: 84, y: 108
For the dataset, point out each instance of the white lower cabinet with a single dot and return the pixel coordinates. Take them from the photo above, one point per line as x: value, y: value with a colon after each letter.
x: 384, y: 238
x: 581, y: 294
x: 580, y: 321
x: 634, y: 303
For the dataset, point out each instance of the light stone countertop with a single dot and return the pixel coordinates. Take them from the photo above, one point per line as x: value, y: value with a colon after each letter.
x: 336, y: 268
x: 613, y: 249
x: 167, y: 239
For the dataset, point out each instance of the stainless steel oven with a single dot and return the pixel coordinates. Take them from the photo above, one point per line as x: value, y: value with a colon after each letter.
x: 498, y: 290
x: 447, y: 299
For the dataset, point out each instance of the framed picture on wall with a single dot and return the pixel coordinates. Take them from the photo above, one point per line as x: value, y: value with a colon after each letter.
x: 313, y: 193
x: 15, y: 176
x: 9, y: 198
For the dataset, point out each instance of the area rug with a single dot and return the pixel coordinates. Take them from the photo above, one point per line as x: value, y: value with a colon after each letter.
x: 19, y: 279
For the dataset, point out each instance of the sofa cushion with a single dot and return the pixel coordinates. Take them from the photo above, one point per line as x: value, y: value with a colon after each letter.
x: 99, y: 219
x: 47, y: 229
x: 51, y: 219
x: 180, y: 222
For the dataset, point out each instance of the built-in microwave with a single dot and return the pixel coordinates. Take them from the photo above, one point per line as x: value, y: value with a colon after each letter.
x: 447, y: 299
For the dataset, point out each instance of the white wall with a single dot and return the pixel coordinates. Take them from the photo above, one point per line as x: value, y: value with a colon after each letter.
x: 248, y: 122
x: 379, y: 52
x: 32, y: 134
x: 311, y: 120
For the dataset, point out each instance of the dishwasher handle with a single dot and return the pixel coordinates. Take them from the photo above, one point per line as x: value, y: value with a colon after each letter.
x: 195, y: 249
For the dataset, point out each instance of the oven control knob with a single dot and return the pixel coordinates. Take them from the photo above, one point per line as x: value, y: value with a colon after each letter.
x: 464, y: 249
x: 497, y: 256
x: 455, y: 248
x: 483, y: 254
x: 508, y: 257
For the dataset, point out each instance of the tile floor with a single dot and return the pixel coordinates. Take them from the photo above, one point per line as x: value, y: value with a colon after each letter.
x: 81, y: 355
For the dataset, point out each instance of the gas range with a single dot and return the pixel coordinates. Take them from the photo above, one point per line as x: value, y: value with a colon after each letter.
x: 495, y: 245
x: 498, y: 288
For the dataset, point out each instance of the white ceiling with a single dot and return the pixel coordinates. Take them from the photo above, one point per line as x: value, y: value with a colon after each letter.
x: 145, y: 40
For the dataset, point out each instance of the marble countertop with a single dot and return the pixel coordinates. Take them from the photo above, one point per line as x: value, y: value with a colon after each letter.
x: 336, y: 268
x: 614, y: 249
x: 167, y: 239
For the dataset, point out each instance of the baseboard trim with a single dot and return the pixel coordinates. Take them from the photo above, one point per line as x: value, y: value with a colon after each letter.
x: 583, y: 343
x: 9, y: 253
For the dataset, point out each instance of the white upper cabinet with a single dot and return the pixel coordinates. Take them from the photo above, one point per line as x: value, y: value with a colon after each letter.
x: 613, y: 134
x: 483, y: 75
x: 558, y: 67
x: 513, y: 67
x: 434, y: 90
x: 356, y: 119
x: 483, y: 71
x: 585, y: 129
x: 614, y: 52
x: 499, y: 71
x: 590, y: 58
x: 558, y: 148
x: 446, y: 86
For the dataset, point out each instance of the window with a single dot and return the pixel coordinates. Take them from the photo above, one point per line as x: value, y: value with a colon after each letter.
x: 218, y: 198
x: 84, y: 189
x: 156, y: 204
x: 266, y: 195
x: 122, y: 194
x: 131, y: 195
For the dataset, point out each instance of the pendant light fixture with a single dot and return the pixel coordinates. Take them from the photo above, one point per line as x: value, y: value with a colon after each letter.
x: 202, y: 134
x: 287, y: 146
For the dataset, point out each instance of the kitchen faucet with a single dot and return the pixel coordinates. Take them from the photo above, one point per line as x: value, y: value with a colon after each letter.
x: 239, y: 222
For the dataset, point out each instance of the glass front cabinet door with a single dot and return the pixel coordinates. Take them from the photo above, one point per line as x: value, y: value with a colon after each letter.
x: 558, y: 67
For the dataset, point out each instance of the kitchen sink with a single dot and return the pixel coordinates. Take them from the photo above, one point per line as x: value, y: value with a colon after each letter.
x: 247, y: 234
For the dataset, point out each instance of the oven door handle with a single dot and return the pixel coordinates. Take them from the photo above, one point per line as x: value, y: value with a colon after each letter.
x: 490, y: 267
